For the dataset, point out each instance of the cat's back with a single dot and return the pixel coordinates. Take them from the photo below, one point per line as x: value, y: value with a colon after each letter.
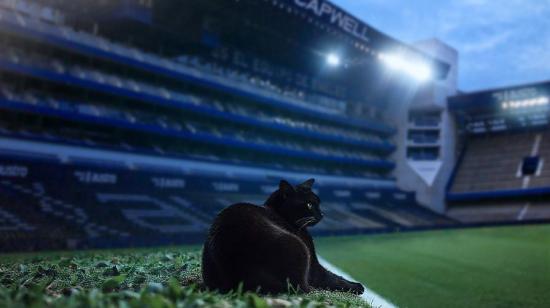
x: 241, y: 218
x: 242, y: 211
x: 244, y: 227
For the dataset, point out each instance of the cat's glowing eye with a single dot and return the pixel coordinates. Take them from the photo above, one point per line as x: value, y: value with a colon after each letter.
x: 309, y: 206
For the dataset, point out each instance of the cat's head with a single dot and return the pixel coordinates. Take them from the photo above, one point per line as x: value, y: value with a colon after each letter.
x: 298, y: 205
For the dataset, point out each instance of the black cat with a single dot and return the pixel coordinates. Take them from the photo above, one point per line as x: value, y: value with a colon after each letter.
x: 267, y: 248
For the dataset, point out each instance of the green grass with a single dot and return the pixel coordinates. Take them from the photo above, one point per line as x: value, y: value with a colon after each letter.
x: 488, y: 267
x: 153, y: 277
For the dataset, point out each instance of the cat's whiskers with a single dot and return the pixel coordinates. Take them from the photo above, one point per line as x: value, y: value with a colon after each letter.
x: 302, y: 222
x: 308, y: 222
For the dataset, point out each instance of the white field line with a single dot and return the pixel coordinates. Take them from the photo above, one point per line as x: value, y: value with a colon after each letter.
x: 375, y: 300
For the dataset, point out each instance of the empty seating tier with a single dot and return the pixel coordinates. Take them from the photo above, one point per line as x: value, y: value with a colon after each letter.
x: 494, y: 163
x: 66, y: 205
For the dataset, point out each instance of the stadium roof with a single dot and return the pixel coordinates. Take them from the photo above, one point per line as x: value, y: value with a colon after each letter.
x: 316, y: 27
x: 490, y: 100
x: 503, y: 109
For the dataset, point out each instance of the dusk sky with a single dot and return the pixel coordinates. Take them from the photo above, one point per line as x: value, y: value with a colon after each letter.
x: 500, y: 42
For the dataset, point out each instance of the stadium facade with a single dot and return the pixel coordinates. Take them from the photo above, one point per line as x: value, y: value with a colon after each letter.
x: 133, y: 122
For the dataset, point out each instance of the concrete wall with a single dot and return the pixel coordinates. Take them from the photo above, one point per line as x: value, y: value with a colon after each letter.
x: 429, y: 178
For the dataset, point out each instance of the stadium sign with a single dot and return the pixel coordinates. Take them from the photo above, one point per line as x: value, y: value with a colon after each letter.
x: 92, y: 177
x: 13, y: 171
x: 226, y: 186
x: 335, y: 16
x: 515, y: 94
x: 162, y: 182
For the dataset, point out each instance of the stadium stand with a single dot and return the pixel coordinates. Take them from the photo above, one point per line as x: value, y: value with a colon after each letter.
x: 169, y: 67
x: 100, y: 206
x: 27, y: 64
x: 502, y: 176
x: 484, y: 169
x: 109, y: 139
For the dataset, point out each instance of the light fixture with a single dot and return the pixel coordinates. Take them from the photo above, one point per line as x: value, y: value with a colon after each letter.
x: 416, y: 69
x: 333, y: 59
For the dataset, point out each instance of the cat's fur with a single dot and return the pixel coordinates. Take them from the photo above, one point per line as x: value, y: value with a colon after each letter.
x: 268, y: 248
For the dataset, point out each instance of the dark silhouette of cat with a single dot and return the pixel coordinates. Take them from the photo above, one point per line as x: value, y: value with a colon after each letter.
x: 268, y: 248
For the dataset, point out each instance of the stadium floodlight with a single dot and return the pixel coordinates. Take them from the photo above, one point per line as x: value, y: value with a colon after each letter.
x: 333, y: 59
x: 523, y: 103
x: 416, y: 69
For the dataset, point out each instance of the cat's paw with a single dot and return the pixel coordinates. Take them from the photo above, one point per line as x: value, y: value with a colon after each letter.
x: 356, y: 288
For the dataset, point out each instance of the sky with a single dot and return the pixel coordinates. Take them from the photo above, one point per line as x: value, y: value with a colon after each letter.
x: 500, y: 42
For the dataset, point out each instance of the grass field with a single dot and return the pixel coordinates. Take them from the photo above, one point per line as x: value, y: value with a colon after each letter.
x: 491, y: 267
x: 162, y: 277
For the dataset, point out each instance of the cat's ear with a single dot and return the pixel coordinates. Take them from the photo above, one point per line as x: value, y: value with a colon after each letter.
x: 285, y: 187
x: 307, y: 184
